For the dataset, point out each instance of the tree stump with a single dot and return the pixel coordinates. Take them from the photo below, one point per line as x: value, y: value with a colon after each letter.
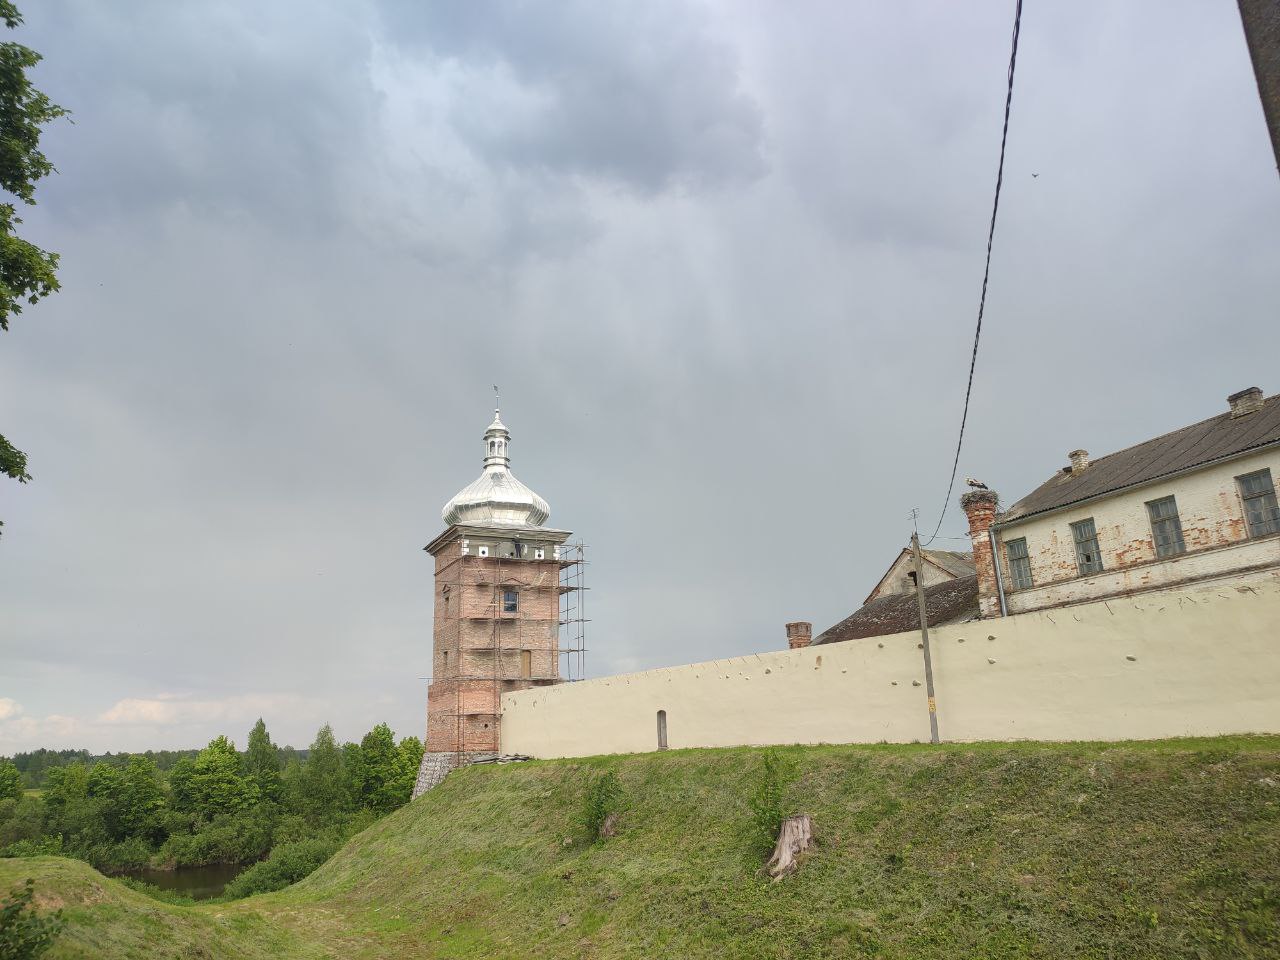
x: 794, y: 838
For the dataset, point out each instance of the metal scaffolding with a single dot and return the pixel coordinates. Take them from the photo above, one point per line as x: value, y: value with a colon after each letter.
x: 573, y: 606
x: 568, y: 655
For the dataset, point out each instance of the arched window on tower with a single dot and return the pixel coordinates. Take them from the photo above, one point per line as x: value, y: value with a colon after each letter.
x: 662, y: 729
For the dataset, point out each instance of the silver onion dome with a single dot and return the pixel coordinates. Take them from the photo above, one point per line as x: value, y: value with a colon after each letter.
x: 497, y: 497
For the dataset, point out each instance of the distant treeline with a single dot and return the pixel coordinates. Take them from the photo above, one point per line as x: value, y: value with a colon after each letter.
x: 36, y: 764
x: 173, y: 808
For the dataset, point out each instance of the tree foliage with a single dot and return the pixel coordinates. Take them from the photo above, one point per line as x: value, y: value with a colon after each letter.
x: 321, y: 788
x: 27, y: 272
x: 24, y: 934
x: 220, y: 806
x: 377, y: 770
x: 262, y: 762
x: 10, y: 781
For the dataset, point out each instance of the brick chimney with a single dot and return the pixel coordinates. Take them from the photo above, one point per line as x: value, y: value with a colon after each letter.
x: 1245, y: 402
x: 980, y: 507
x: 1079, y: 460
x: 799, y: 634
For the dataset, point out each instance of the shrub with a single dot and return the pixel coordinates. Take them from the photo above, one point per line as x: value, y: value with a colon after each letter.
x: 126, y: 855
x: 20, y: 820
x: 767, y: 803
x: 239, y: 838
x: 23, y: 933
x: 34, y: 847
x: 603, y: 797
x: 288, y: 864
x: 157, y: 893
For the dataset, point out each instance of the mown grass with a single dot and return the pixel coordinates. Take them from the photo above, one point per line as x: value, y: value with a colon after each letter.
x: 1166, y: 849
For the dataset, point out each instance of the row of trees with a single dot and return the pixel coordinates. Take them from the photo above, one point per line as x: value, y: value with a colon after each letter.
x: 219, y: 806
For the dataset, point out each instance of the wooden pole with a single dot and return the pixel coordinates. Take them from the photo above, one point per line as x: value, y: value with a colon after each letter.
x: 924, y: 638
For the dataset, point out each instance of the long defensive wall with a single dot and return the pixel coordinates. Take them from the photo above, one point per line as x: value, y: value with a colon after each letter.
x: 1199, y: 661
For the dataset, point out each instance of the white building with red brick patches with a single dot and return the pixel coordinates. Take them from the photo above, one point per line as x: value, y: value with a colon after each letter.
x: 497, y: 610
x: 1192, y: 506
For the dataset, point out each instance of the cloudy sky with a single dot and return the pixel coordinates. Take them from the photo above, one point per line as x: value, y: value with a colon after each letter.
x: 723, y: 259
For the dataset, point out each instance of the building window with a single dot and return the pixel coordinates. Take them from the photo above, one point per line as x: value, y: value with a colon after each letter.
x: 1088, y: 557
x: 526, y: 664
x: 510, y: 601
x: 483, y: 551
x: 1261, y: 515
x: 1019, y: 563
x: 662, y: 729
x: 1166, y: 528
x: 540, y: 554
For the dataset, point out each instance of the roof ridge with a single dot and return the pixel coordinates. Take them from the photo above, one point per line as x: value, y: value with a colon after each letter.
x: 1169, y: 433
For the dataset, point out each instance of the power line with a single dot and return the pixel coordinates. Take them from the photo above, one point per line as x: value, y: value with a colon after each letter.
x: 986, y: 272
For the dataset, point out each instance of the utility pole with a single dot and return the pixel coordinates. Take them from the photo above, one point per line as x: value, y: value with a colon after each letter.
x: 924, y: 636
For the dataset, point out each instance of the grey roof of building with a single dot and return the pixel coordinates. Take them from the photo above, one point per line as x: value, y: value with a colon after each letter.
x: 945, y: 602
x: 955, y: 562
x: 1201, y: 443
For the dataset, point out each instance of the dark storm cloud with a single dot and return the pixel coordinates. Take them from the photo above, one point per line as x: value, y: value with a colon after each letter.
x: 723, y: 260
x: 232, y: 109
x: 642, y: 94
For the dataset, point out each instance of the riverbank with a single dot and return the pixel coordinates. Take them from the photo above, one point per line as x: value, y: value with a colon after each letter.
x: 1163, y: 849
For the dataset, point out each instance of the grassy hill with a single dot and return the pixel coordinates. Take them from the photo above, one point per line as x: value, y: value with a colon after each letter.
x: 1167, y: 849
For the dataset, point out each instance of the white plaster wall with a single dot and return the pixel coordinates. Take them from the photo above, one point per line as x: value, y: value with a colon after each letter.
x: 1205, y: 661
x: 1212, y: 517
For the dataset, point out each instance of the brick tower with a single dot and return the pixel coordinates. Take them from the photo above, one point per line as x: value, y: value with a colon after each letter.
x: 497, y: 610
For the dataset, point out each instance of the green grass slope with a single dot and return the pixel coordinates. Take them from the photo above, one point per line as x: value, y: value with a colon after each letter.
x: 1167, y: 849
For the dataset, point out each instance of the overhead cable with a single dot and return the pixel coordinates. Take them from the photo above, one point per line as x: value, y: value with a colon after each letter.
x: 986, y: 272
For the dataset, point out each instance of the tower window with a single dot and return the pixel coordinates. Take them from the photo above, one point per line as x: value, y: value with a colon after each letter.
x: 662, y: 729
x: 510, y: 601
x: 482, y: 551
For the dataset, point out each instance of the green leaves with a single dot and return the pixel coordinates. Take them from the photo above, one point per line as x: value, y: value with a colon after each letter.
x: 768, y: 808
x: 262, y: 762
x: 603, y: 797
x: 10, y: 781
x: 24, y: 935
x: 27, y: 272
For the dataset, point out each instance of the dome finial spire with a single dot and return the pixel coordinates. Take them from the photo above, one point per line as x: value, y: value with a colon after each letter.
x: 497, y: 497
x: 495, y: 402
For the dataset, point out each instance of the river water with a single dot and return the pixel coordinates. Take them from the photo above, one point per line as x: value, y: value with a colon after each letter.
x: 199, y: 883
